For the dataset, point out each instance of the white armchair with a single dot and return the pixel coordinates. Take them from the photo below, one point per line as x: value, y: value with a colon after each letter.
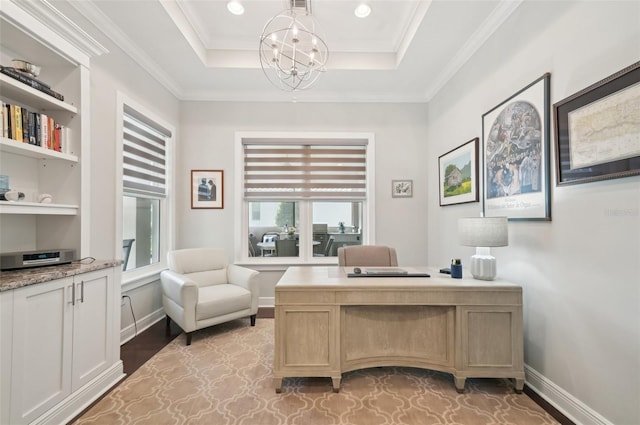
x: 202, y: 289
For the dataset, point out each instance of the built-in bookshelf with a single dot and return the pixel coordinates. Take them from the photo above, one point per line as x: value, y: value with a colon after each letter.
x: 33, y: 32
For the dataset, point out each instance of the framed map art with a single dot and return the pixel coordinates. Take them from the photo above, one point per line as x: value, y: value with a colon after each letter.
x: 598, y: 130
x: 515, y: 148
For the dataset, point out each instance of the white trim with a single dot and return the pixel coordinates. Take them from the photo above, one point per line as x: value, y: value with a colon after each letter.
x: 128, y: 333
x: 79, y: 400
x: 46, y: 13
x: 567, y: 404
x: 139, y: 277
x: 490, y: 25
x: 240, y: 222
x: 269, y: 302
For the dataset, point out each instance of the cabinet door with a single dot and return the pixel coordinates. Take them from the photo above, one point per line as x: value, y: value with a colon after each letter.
x: 41, y: 352
x: 92, y: 328
x: 492, y: 343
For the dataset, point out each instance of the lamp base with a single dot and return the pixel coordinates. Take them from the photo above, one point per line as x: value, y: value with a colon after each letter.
x: 483, y: 267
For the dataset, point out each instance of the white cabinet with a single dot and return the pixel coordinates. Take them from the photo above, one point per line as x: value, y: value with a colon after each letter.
x: 26, y: 33
x: 64, y: 346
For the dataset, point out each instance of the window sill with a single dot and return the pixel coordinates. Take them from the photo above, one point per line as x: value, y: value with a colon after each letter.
x: 136, y: 278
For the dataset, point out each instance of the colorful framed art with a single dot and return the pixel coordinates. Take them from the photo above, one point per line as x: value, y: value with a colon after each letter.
x: 515, y: 149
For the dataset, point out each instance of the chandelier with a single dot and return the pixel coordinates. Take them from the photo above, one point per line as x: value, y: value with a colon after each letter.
x: 292, y: 54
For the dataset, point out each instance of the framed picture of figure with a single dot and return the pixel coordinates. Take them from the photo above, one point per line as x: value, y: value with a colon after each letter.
x: 515, y: 151
x: 207, y: 189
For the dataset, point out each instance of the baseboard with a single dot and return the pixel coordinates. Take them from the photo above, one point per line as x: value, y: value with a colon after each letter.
x: 267, y: 302
x: 71, y: 406
x: 568, y: 405
x: 146, y: 322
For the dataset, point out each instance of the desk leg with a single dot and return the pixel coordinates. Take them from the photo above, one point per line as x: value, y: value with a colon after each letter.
x: 459, y: 384
x: 519, y: 385
x: 336, y: 383
x: 278, y: 384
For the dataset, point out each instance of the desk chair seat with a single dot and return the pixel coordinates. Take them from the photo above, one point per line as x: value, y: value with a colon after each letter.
x: 367, y: 255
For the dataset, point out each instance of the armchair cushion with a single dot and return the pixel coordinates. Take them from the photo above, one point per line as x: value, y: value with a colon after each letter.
x: 217, y: 300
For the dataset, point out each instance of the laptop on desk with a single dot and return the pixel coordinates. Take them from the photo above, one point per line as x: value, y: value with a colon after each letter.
x: 386, y: 272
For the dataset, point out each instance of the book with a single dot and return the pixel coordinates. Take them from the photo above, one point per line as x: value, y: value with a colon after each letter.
x: 30, y: 81
x: 16, y: 119
x: 44, y: 131
x: 57, y: 137
x: 36, y: 129
x: 7, y: 118
x: 4, y: 122
x: 25, y: 125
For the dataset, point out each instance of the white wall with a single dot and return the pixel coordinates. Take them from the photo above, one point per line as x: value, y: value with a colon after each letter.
x: 208, y: 135
x: 111, y: 73
x: 581, y: 271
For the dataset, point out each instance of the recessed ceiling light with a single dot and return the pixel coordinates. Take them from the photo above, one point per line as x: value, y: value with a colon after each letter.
x: 363, y: 10
x: 235, y: 7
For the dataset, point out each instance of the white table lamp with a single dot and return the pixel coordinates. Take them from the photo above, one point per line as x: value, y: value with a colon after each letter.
x: 483, y: 233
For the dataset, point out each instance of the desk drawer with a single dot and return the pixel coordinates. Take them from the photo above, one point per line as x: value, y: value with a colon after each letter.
x: 305, y: 297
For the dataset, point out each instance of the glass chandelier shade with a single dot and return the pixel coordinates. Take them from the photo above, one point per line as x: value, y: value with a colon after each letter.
x: 292, y: 54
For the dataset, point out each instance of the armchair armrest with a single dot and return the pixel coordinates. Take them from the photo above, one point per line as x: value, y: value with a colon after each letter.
x: 243, y: 276
x: 182, y: 290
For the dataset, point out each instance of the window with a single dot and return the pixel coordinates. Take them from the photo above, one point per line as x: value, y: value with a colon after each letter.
x: 304, y: 197
x: 145, y: 170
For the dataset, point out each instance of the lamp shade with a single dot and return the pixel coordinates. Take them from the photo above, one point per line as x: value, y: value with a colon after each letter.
x: 483, y: 231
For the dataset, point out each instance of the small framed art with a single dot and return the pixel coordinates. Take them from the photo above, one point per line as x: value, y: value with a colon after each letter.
x: 458, y: 174
x: 207, y: 189
x: 515, y: 149
x: 401, y: 188
x: 598, y: 130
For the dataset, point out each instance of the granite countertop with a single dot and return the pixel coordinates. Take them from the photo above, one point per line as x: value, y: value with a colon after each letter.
x: 18, y: 278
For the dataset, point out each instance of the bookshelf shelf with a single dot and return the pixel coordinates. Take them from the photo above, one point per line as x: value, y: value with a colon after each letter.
x: 22, y: 93
x: 32, y: 151
x: 8, y: 207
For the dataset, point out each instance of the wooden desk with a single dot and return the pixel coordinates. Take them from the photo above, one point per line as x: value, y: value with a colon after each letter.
x: 327, y: 324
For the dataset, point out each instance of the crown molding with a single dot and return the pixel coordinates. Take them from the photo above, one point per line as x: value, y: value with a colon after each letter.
x: 490, y: 25
x: 62, y: 26
x: 110, y: 29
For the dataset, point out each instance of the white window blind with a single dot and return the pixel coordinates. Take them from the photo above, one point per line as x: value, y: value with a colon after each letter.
x: 144, y: 155
x: 294, y: 171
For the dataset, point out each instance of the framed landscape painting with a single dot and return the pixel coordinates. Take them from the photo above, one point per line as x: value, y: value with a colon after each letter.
x: 515, y: 149
x: 207, y: 189
x: 458, y: 174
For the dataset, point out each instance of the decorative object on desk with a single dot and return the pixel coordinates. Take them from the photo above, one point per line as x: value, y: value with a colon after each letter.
x: 291, y: 231
x: 207, y: 189
x: 456, y: 268
x: 459, y: 174
x: 341, y: 227
x: 515, y: 145
x: 483, y: 233
x: 598, y: 128
x: 292, y: 53
x: 401, y: 188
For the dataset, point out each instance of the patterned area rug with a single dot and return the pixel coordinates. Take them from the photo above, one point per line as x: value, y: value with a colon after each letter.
x: 225, y: 377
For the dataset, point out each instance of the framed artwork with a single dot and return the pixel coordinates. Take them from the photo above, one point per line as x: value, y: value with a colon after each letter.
x: 401, y: 188
x: 458, y: 174
x: 515, y: 149
x: 598, y: 130
x: 207, y: 189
